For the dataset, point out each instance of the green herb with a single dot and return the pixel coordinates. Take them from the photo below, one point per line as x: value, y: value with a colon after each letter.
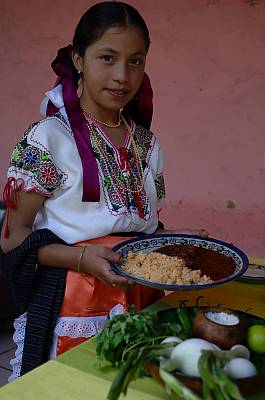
x: 134, y: 338
x: 123, y: 333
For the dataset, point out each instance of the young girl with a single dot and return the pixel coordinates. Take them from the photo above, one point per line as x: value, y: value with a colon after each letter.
x: 88, y: 174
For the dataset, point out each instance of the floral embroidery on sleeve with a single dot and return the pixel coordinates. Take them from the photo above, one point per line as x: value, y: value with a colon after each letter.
x: 30, y: 163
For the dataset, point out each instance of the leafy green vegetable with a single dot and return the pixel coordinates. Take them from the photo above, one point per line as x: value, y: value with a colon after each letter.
x: 132, y: 339
x: 123, y: 333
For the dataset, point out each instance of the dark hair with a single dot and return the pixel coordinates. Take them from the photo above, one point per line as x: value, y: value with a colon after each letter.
x: 103, y: 16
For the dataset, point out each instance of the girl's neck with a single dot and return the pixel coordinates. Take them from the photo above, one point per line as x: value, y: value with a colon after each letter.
x: 106, y: 117
x: 116, y: 131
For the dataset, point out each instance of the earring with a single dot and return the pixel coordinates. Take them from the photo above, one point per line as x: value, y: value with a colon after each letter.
x: 80, y: 74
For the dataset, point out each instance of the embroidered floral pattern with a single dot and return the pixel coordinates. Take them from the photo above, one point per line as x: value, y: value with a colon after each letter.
x: 48, y: 176
x: 160, y: 187
x: 143, y: 141
x: 33, y: 162
x: 31, y: 158
x: 118, y: 185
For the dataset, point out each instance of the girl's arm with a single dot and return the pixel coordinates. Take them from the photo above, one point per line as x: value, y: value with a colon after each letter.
x: 95, y: 260
x: 21, y: 218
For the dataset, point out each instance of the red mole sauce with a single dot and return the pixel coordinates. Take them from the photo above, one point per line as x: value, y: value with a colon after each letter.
x: 212, y: 263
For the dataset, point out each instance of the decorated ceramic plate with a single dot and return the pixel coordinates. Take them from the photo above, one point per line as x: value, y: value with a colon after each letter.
x: 255, y: 272
x: 220, y: 261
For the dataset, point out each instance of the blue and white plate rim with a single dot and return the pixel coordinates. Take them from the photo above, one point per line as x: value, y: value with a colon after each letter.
x: 239, y: 254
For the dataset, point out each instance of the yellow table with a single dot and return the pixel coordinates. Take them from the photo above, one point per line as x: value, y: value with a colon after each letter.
x: 76, y: 376
x: 237, y: 295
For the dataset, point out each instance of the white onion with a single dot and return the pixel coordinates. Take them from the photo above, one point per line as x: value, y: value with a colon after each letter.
x: 186, y: 355
x: 243, y: 351
x: 172, y: 339
x: 240, y: 368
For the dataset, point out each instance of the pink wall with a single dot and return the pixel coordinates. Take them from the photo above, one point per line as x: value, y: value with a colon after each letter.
x: 207, y: 63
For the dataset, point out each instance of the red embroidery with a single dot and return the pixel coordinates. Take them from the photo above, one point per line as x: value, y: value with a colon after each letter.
x: 10, y: 189
x: 125, y: 164
x: 124, y: 158
x: 138, y: 204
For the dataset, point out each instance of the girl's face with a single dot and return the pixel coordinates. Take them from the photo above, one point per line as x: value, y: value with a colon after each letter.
x: 113, y: 68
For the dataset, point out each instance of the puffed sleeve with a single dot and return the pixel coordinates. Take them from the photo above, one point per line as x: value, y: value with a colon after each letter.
x: 32, y: 164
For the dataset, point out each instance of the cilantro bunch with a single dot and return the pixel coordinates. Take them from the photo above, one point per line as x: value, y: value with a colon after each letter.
x: 124, y: 333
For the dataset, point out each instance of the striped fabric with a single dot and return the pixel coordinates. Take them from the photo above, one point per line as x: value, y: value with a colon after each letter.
x: 39, y: 291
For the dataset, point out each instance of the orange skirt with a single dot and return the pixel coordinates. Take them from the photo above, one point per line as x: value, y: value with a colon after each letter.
x: 86, y: 296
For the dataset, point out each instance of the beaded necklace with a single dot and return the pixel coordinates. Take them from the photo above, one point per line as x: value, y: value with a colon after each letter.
x: 135, y: 192
x: 93, y: 118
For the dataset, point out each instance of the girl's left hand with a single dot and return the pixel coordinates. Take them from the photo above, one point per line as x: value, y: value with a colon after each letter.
x: 198, y: 232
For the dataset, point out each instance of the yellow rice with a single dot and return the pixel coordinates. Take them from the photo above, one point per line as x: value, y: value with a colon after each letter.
x: 156, y: 267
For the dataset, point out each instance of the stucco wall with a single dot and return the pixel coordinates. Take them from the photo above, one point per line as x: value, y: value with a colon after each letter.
x: 207, y: 64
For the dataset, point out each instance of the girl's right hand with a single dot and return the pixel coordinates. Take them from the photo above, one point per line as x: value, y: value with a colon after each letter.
x: 96, y: 261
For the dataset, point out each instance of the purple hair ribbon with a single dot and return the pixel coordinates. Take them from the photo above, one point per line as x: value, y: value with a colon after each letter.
x: 144, y: 106
x: 63, y: 67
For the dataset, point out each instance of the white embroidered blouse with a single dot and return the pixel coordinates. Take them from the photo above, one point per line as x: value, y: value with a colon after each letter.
x: 46, y: 160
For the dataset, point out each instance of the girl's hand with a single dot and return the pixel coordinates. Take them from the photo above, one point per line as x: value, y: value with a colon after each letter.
x: 96, y: 261
x: 199, y: 232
